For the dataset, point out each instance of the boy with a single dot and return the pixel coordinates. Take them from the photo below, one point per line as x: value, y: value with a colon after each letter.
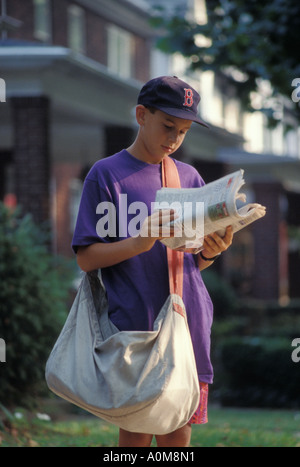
x: 134, y: 268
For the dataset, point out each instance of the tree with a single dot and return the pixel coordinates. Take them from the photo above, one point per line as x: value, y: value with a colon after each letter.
x: 250, y: 43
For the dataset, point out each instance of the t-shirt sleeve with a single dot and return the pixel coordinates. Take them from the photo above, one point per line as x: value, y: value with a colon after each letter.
x: 94, y: 200
x: 189, y: 176
x: 198, y: 180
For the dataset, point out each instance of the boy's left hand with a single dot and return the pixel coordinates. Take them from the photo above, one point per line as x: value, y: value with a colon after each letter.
x: 214, y: 244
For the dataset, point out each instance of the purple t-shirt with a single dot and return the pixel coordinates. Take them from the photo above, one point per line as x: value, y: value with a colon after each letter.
x: 138, y: 287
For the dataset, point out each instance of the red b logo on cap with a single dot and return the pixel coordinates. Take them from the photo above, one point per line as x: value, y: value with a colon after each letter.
x: 188, y: 98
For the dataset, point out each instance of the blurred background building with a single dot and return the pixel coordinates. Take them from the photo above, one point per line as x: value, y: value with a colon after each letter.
x: 73, y: 70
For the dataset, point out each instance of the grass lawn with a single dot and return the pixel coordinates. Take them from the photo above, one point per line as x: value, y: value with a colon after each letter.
x: 226, y: 428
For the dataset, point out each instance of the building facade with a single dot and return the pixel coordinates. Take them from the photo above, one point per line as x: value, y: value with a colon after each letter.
x: 72, y: 71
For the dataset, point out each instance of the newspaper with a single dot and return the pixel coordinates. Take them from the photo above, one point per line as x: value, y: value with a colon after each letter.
x: 211, y: 208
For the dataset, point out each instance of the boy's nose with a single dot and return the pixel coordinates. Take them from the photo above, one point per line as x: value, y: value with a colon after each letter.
x: 174, y: 137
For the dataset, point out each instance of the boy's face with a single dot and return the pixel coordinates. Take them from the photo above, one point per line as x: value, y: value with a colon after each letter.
x: 161, y: 134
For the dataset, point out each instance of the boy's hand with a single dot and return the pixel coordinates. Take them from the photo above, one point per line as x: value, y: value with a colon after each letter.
x: 214, y: 244
x: 156, y: 227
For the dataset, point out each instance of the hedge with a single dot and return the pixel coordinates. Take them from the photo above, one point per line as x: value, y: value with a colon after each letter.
x: 33, y: 303
x: 259, y: 372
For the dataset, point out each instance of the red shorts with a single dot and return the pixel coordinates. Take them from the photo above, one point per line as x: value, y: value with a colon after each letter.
x: 200, y: 416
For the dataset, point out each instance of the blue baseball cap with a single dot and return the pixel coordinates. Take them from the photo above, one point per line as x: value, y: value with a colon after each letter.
x: 172, y: 96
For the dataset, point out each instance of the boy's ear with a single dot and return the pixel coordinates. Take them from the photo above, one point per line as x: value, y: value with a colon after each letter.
x: 140, y: 112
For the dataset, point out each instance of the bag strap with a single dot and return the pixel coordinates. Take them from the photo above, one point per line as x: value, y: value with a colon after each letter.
x: 170, y: 179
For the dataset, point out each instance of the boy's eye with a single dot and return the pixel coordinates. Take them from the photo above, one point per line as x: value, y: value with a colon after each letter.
x: 182, y: 132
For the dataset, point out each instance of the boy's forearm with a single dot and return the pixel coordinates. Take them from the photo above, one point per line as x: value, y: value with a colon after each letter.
x: 102, y: 255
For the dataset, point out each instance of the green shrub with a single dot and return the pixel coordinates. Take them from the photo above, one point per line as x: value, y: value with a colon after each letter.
x: 222, y: 294
x: 259, y: 372
x: 33, y: 303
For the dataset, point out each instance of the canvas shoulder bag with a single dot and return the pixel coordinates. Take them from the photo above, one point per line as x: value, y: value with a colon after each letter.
x: 141, y: 381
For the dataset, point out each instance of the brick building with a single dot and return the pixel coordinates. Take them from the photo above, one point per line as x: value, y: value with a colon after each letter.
x: 265, y: 261
x: 73, y: 69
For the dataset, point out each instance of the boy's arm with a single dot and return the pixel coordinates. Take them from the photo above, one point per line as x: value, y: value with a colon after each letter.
x: 102, y: 255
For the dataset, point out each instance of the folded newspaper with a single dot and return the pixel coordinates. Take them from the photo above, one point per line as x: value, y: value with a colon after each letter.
x: 210, y: 208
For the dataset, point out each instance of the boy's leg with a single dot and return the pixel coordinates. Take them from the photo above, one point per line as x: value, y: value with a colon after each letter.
x: 179, y: 438
x: 128, y: 439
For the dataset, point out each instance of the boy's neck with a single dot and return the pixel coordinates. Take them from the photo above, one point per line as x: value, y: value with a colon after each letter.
x: 138, y: 151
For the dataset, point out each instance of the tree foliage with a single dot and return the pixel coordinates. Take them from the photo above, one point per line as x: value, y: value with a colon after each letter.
x: 247, y: 41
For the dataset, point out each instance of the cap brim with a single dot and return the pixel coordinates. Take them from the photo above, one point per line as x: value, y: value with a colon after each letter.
x: 184, y: 114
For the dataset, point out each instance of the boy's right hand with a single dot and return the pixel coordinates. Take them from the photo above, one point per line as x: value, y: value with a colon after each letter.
x: 156, y: 227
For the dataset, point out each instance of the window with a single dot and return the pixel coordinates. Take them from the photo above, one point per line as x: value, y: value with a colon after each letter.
x: 120, y: 51
x: 42, y: 20
x: 232, y: 115
x: 76, y: 29
x: 75, y: 196
x: 197, y: 11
